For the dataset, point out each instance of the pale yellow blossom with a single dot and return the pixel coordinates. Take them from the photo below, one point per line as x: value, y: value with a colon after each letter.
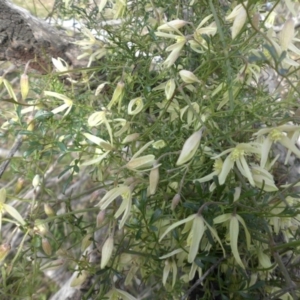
x: 190, y: 147
x: 68, y: 103
x: 237, y: 157
x: 278, y: 135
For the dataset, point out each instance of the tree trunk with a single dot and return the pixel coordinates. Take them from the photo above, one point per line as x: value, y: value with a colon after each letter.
x: 24, y: 37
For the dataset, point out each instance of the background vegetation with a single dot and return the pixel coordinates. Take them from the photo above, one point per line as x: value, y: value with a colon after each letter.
x: 166, y: 169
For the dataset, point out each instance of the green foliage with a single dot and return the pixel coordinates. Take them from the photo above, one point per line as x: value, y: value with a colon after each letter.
x: 167, y: 170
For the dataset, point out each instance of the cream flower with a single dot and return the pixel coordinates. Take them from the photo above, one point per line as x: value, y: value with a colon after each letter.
x: 174, y: 48
x: 237, y: 157
x: 278, y: 134
x: 68, y: 103
x: 123, y: 191
x: 217, y: 168
x: 263, y: 179
x: 190, y: 147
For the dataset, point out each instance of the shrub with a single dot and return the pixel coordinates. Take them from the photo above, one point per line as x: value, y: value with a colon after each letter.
x: 167, y: 169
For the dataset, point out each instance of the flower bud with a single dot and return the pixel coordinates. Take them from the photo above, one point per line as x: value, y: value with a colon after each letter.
x: 153, y: 179
x: 100, y: 218
x: 4, y: 250
x: 287, y: 33
x: 49, y: 210
x: 107, y: 250
x: 46, y: 246
x: 19, y: 185
x: 31, y: 125
x: 86, y: 241
x: 36, y: 181
x: 188, y: 76
x: 190, y: 147
x: 175, y: 201
x: 79, y: 278
x: 24, y: 84
x: 40, y: 228
x: 130, y: 138
x: 140, y: 162
x: 255, y: 20
x: 172, y: 25
x: 170, y: 88
x: 117, y: 95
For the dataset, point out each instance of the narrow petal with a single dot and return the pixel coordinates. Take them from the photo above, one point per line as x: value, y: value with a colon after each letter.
x: 98, y: 141
x: 266, y: 146
x: 176, y: 224
x: 285, y: 141
x: 197, y: 232
x: 247, y: 172
x: 14, y: 213
x: 227, y: 166
x: 207, y: 177
x: 239, y: 22
x: 215, y: 234
x: 112, y: 195
x: 166, y: 272
x: 174, y: 252
x: 59, y: 109
x: 248, y: 236
x: 221, y: 219
x: 2, y: 195
x: 96, y: 118
x: 234, y: 234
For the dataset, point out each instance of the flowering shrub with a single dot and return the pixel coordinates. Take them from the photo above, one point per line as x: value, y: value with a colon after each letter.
x: 178, y: 148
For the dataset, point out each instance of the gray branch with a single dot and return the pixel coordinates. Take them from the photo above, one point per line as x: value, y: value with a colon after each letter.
x: 24, y: 37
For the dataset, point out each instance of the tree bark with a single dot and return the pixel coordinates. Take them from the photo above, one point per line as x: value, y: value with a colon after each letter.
x: 24, y: 37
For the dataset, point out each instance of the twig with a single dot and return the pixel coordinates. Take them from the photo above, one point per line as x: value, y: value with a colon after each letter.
x: 201, y: 279
x: 11, y: 153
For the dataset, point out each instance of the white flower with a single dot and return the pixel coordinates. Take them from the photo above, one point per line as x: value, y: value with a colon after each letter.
x: 217, y: 168
x: 263, y: 179
x: 278, y: 135
x: 125, y: 208
x: 237, y: 157
x: 60, y: 64
x: 107, y: 250
x: 190, y: 147
x: 68, y: 103
x: 188, y: 76
x: 138, y: 103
